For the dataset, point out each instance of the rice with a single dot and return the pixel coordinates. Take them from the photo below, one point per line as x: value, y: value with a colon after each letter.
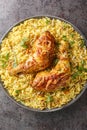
x: 19, y: 86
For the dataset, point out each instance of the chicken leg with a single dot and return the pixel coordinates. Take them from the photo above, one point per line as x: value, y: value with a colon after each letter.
x: 58, y: 76
x: 41, y: 55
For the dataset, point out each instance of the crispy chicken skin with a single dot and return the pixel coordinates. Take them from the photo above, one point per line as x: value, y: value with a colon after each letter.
x: 48, y: 81
x: 41, y: 55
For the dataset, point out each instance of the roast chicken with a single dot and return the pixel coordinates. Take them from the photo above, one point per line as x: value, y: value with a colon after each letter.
x: 48, y: 81
x: 41, y: 55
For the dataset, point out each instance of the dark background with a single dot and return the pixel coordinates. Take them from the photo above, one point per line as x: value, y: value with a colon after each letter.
x: 13, y: 117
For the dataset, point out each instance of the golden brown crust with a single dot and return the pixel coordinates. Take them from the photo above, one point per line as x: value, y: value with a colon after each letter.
x: 40, y: 57
x: 58, y: 76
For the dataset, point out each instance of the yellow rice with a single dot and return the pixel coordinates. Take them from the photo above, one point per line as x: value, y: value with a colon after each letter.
x: 19, y: 87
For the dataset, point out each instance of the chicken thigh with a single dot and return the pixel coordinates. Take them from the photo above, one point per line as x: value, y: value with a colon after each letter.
x: 57, y: 77
x: 41, y: 55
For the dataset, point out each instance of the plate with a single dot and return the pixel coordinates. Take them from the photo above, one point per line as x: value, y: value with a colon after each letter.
x: 54, y: 109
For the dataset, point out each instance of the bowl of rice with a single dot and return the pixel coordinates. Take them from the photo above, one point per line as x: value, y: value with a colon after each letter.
x: 13, y: 50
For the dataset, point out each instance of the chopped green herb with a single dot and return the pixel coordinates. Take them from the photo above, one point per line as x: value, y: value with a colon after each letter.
x: 25, y: 39
x: 17, y: 91
x: 83, y: 62
x: 21, y: 101
x: 7, y: 56
x: 15, y: 63
x: 23, y: 43
x: 82, y: 43
x: 3, y: 63
x: 64, y: 38
x: 72, y: 35
x: 85, y: 69
x: 47, y: 21
x: 4, y: 60
x: 75, y: 75
x: 24, y: 46
x: 71, y: 43
x: 64, y: 26
x: 81, y: 67
x: 49, y: 98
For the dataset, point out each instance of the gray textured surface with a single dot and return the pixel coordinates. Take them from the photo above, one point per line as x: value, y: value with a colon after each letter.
x: 13, y: 117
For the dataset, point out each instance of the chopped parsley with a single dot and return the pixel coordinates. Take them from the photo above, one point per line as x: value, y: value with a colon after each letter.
x: 72, y: 35
x: 48, y: 21
x: 71, y: 43
x: 49, y: 98
x: 3, y: 63
x: 15, y: 63
x: 64, y: 38
x: 82, y: 44
x: 4, y: 60
x: 80, y: 69
x: 23, y: 43
x: 65, y: 26
x: 7, y: 56
x: 85, y: 69
x: 17, y: 91
x: 74, y: 75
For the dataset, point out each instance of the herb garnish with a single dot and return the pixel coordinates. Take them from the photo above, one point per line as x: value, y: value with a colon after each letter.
x: 15, y: 63
x: 4, y: 60
x: 7, y: 56
x: 74, y: 75
x: 23, y: 43
x: 49, y: 98
x: 82, y: 44
x: 80, y: 69
x: 71, y: 43
x: 17, y: 91
x: 64, y: 38
x: 72, y: 35
x: 65, y: 26
x: 47, y: 21
x: 3, y: 63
